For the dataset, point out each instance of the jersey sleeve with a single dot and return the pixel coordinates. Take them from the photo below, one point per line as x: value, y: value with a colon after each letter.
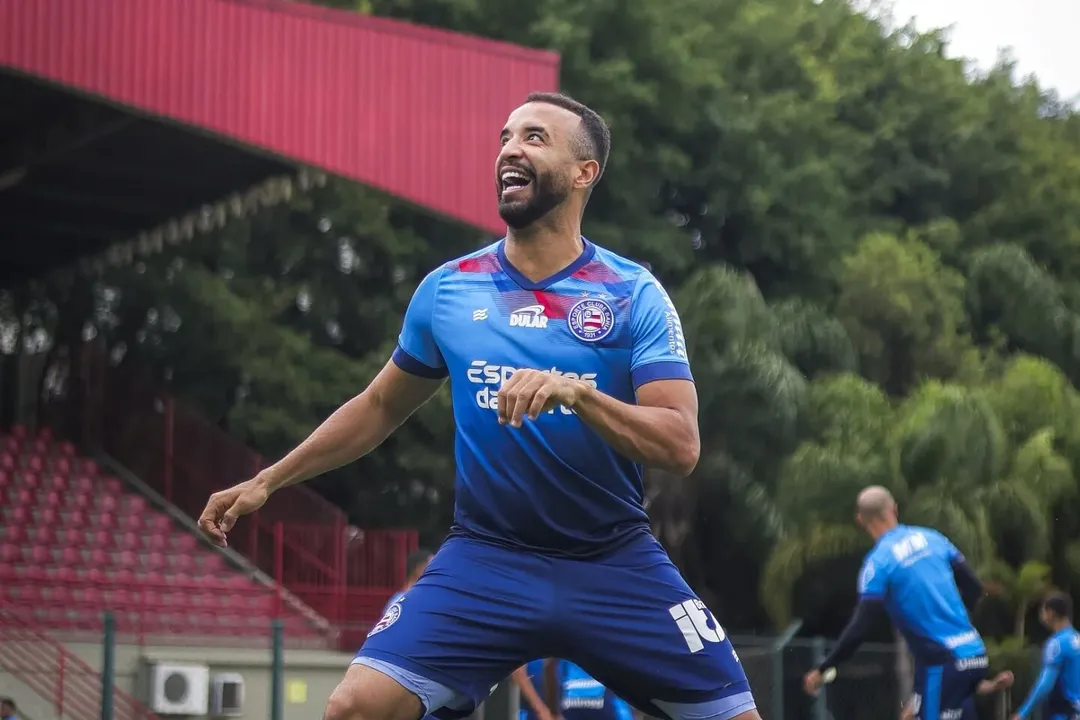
x: 659, y: 349
x: 417, y: 352
x: 1051, y: 656
x: 873, y: 580
x: 951, y: 552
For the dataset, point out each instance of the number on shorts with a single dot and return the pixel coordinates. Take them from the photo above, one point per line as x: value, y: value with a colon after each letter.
x: 697, y: 624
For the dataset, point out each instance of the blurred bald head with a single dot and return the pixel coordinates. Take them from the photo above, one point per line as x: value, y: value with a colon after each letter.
x: 876, y: 511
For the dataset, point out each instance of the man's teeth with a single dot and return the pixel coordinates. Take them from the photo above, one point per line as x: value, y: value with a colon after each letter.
x: 515, y: 177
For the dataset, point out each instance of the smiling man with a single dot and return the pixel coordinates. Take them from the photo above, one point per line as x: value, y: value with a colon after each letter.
x: 568, y: 374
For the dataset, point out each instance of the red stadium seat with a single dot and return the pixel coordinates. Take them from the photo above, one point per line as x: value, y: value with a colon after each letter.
x: 19, y: 514
x: 9, y: 554
x: 49, y: 515
x: 98, y: 558
x: 107, y: 503
x: 6, y: 478
x: 57, y: 482
x: 84, y: 484
x: 43, y: 535
x: 213, y: 563
x: 89, y: 467
x: 159, y: 522
x: 127, y: 559
x: 129, y: 521
x: 70, y: 536
x: 30, y: 480
x: 35, y: 463
x: 40, y: 555
x: 66, y: 449
x: 51, y: 498
x: 75, y: 518
x: 183, y: 563
x: 19, y: 431
x: 7, y: 462
x: 62, y: 466
x: 157, y: 542
x: 70, y: 556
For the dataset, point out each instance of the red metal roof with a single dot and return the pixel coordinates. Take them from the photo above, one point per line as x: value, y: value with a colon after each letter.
x: 414, y: 111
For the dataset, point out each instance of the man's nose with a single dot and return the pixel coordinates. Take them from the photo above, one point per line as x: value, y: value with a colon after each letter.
x: 510, y: 151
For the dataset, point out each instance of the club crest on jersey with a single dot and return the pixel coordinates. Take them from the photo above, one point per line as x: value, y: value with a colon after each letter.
x: 590, y: 319
x: 389, y: 618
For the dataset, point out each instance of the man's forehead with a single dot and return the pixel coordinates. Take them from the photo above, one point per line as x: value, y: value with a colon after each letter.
x: 540, y: 114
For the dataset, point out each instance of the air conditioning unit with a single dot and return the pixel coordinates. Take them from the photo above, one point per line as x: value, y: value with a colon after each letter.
x: 227, y: 695
x: 179, y: 689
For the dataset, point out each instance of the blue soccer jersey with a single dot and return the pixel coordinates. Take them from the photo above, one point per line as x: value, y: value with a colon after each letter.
x: 553, y: 485
x: 1059, y: 681
x: 910, y: 570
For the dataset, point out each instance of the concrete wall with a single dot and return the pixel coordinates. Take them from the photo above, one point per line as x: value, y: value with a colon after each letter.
x: 31, y: 705
x: 310, y: 675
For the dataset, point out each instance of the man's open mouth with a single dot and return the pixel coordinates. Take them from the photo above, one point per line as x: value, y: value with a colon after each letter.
x: 514, y: 181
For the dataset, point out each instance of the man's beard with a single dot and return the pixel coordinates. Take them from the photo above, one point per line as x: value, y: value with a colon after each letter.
x: 546, y: 196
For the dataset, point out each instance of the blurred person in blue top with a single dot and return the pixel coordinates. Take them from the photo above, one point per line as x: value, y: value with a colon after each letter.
x: 582, y: 697
x: 8, y: 709
x: 1059, y: 682
x: 918, y: 579
x: 534, y: 686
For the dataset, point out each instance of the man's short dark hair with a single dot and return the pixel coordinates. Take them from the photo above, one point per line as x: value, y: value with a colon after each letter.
x: 416, y: 560
x: 594, y: 140
x: 9, y: 702
x: 1060, y: 604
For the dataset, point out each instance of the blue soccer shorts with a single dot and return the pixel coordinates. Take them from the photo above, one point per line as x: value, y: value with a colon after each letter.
x: 481, y: 610
x: 947, y: 692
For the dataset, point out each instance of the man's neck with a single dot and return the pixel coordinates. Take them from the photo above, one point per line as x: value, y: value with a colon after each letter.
x: 540, y: 251
x: 1062, y: 625
x: 881, y: 527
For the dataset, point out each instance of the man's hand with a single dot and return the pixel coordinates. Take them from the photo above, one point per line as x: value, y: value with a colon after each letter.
x: 812, y: 682
x: 225, y: 506
x: 528, y: 393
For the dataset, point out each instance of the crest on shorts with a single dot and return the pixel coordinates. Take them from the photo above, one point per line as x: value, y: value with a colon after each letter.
x: 389, y: 618
x: 590, y: 319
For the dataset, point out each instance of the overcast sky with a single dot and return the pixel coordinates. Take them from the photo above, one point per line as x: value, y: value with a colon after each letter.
x: 1044, y: 34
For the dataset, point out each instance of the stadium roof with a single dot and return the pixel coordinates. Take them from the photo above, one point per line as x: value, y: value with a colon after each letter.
x: 119, y: 116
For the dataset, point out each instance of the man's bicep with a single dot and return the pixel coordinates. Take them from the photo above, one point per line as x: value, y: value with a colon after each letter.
x: 398, y: 393
x: 680, y: 395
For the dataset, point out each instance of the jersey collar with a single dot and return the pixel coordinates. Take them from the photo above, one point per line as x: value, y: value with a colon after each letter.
x: 526, y: 284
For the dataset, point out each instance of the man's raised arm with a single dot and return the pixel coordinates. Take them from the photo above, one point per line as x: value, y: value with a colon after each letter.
x: 359, y: 426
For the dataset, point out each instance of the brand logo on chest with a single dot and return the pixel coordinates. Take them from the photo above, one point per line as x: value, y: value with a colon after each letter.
x: 529, y: 317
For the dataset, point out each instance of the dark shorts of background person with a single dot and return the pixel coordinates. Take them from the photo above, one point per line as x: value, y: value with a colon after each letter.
x: 948, y: 690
